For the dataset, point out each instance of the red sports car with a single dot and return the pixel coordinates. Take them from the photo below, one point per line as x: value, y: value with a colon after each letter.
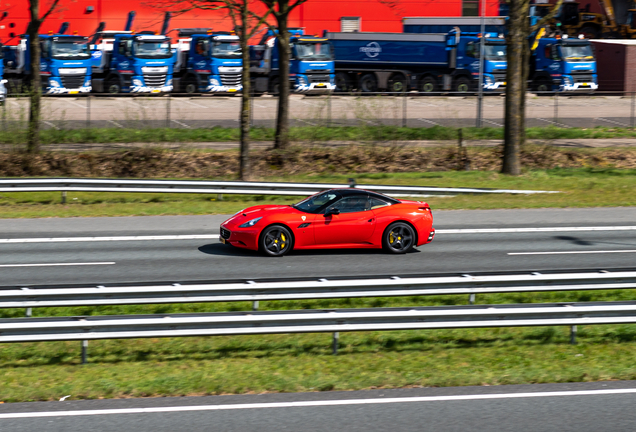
x: 337, y: 218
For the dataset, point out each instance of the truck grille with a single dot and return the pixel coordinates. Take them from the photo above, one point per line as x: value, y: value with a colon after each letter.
x: 72, y: 81
x: 231, y: 79
x: 225, y: 233
x: 154, y: 80
x: 582, y: 78
x: 318, y: 78
x: 499, y: 77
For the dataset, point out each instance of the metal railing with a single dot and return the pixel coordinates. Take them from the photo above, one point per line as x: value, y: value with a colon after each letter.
x: 48, y: 296
x: 226, y: 187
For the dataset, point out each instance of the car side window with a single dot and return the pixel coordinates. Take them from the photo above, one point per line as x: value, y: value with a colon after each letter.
x: 377, y: 203
x: 352, y: 204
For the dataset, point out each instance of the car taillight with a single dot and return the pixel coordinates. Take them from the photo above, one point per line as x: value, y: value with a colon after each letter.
x: 427, y: 208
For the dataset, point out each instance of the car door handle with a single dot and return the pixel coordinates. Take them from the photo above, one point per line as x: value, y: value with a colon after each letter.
x: 370, y: 220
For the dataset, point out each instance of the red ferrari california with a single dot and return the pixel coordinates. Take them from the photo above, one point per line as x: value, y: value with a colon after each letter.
x: 337, y: 218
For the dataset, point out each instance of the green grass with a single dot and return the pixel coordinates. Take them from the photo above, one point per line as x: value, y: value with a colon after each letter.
x: 286, y: 363
x: 583, y: 187
x: 309, y: 133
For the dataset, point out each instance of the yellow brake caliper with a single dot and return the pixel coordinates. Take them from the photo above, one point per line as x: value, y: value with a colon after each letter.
x: 282, y: 237
x: 391, y: 238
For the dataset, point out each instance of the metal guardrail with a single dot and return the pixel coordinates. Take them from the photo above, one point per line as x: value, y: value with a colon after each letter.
x: 226, y: 187
x: 319, y: 289
x: 313, y: 321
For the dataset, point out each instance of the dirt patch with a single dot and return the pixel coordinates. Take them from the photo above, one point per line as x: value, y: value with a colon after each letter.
x: 157, y: 163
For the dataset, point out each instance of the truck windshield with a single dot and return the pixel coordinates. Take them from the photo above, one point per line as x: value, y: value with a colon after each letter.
x: 226, y: 49
x: 65, y: 50
x: 495, y: 52
x: 313, y: 51
x: 152, y: 49
x: 577, y: 53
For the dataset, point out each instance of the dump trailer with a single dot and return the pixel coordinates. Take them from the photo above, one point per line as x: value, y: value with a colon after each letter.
x: 125, y: 62
x: 398, y: 62
x: 448, y: 24
x: 310, y: 66
x: 65, y: 64
x: 207, y: 62
x: 563, y: 64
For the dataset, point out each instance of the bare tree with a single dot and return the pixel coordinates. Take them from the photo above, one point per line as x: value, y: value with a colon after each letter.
x: 33, y: 135
x: 281, y: 10
x: 246, y: 23
x: 518, y: 58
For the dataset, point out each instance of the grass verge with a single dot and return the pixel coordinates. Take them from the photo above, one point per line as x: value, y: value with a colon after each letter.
x: 308, y: 133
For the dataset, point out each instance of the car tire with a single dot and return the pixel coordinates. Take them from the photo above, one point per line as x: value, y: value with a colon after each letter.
x: 276, y: 240
x: 399, y: 238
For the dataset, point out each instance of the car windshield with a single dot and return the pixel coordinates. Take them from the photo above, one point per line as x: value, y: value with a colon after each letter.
x: 70, y: 49
x: 152, y: 49
x: 226, y: 49
x: 313, y: 51
x: 577, y: 53
x: 315, y: 203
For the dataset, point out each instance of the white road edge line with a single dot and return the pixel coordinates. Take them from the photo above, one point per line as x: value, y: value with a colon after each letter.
x: 302, y: 404
x: 57, y: 264
x: 216, y: 236
x: 572, y: 252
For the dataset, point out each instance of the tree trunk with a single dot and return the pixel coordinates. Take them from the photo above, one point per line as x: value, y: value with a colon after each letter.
x: 282, y: 120
x: 514, y: 131
x: 35, y: 88
x: 246, y: 102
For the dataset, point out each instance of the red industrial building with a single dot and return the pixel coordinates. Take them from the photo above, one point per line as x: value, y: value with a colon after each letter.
x: 315, y: 15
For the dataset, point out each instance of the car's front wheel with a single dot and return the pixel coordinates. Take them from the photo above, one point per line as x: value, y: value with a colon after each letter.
x: 398, y: 238
x: 276, y: 240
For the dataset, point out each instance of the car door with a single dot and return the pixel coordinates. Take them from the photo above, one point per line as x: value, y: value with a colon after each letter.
x: 354, y: 222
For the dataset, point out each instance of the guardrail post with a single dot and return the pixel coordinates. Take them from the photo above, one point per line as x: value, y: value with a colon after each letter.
x: 63, y: 197
x: 29, y: 312
x: 255, y: 305
x: 219, y: 197
x: 573, y: 331
x: 471, y: 298
x: 336, y: 336
x: 84, y: 351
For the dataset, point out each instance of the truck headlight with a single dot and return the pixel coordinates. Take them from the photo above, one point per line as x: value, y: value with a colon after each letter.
x: 567, y: 80
x: 54, y: 83
x: 301, y: 80
x: 137, y: 82
x: 214, y: 82
x: 488, y: 79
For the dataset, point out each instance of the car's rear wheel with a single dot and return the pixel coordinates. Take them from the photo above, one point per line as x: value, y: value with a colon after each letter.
x: 276, y: 240
x: 398, y: 238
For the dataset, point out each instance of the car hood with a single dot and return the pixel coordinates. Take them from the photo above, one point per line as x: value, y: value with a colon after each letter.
x: 259, y: 211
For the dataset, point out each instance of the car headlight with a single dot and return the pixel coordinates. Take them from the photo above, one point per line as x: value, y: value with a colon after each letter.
x: 250, y: 223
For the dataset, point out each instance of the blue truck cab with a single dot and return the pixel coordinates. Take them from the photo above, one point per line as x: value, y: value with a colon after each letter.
x: 494, y: 62
x: 563, y: 64
x: 207, y: 62
x: 65, y: 64
x: 3, y: 89
x: 311, y: 66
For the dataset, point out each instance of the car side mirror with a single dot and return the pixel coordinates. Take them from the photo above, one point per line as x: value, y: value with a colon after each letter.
x: 332, y: 211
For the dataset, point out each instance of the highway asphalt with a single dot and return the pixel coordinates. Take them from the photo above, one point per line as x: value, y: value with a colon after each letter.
x: 40, y: 251
x: 573, y: 407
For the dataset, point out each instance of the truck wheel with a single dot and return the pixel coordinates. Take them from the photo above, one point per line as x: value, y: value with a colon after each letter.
x: 343, y: 83
x: 542, y: 85
x: 590, y: 32
x: 397, y: 83
x: 113, y: 86
x: 368, y: 83
x: 428, y: 85
x: 274, y: 86
x: 462, y: 85
x: 190, y: 86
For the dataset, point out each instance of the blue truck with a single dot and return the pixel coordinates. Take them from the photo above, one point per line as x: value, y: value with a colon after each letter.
x: 311, y: 64
x: 448, y: 24
x: 207, y: 62
x: 3, y: 89
x: 65, y: 63
x: 128, y: 62
x: 564, y: 64
x: 399, y: 62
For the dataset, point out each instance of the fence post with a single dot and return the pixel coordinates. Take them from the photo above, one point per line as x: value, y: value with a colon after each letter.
x: 556, y: 108
x: 336, y: 336
x: 84, y: 351
x: 88, y: 111
x: 573, y: 331
x: 63, y: 197
x: 329, y: 109
x: 168, y: 111
x: 403, y: 109
x: 632, y: 115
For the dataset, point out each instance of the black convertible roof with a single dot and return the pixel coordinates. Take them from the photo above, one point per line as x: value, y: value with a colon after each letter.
x: 353, y: 191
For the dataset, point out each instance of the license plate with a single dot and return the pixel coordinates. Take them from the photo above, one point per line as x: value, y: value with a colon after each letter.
x: 73, y: 92
x: 320, y: 85
x: 155, y: 91
x: 231, y: 90
x: 504, y: 83
x: 222, y: 240
x: 585, y: 85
